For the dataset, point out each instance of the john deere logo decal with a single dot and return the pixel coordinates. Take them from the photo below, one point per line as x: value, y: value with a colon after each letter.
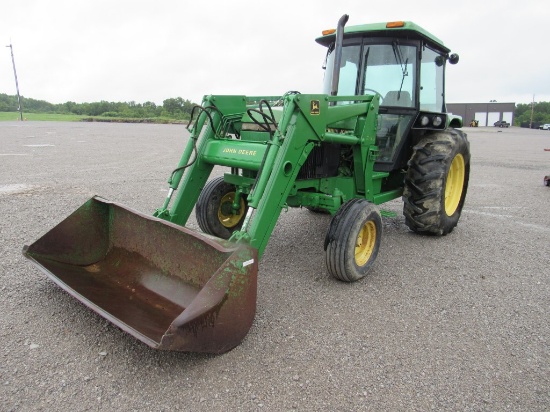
x: 314, y: 107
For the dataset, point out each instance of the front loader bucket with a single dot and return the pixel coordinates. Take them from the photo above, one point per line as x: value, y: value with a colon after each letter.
x: 170, y: 287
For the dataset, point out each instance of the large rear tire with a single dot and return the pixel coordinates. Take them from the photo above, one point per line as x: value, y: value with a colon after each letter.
x: 353, y: 240
x: 214, y: 209
x: 436, y: 183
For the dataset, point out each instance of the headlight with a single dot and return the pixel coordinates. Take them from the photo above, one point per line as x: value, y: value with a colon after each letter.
x: 427, y: 120
x: 424, y: 120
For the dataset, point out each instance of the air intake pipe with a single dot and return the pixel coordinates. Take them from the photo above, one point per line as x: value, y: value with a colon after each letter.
x: 338, y: 54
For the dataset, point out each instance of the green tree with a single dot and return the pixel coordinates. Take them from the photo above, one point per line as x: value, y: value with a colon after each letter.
x: 175, y: 108
x: 178, y: 107
x: 541, y: 112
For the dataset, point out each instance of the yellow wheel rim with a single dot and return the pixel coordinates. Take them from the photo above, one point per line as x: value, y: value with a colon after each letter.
x: 454, y: 186
x: 225, y: 211
x: 364, y: 245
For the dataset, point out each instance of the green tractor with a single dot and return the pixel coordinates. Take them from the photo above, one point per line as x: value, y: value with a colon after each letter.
x: 380, y: 131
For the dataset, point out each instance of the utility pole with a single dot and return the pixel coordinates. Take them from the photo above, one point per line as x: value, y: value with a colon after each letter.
x: 20, y: 108
x: 532, y: 110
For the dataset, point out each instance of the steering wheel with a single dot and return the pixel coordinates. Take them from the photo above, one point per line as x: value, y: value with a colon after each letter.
x: 375, y: 93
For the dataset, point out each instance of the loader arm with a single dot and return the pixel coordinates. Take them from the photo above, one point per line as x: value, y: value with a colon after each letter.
x: 306, y: 121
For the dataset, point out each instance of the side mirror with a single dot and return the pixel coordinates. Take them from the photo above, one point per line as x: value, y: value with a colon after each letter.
x: 453, y: 58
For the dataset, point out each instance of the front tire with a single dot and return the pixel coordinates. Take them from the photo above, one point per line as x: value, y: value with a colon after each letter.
x: 353, y: 240
x: 214, y: 211
x: 436, y: 183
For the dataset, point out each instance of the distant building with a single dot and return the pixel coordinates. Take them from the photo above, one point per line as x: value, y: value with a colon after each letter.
x: 485, y: 113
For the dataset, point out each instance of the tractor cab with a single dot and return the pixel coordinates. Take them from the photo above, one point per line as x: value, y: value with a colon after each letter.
x: 404, y: 66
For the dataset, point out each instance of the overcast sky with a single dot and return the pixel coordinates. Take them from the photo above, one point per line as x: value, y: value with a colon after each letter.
x: 121, y: 50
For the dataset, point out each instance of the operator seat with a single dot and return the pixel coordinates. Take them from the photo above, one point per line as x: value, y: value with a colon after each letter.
x: 396, y: 98
x: 392, y: 127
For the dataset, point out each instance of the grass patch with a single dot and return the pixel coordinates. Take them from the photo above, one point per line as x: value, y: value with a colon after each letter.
x: 39, y: 117
x: 53, y: 117
x: 158, y: 120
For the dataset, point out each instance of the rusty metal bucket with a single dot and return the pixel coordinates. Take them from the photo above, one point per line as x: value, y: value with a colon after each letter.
x: 168, y: 286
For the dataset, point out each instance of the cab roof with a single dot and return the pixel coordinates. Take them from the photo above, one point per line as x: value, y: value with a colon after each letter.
x: 401, y: 29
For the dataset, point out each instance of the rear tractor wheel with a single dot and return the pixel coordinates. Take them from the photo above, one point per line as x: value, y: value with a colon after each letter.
x: 353, y: 240
x: 436, y: 183
x: 215, y: 213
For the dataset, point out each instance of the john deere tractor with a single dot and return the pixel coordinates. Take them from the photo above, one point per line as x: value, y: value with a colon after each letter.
x: 378, y: 132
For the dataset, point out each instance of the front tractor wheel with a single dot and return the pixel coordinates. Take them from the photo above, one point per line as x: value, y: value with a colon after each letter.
x: 353, y: 240
x: 436, y: 183
x: 215, y: 210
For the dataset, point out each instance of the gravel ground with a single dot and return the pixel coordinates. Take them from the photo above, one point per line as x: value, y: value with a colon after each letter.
x: 453, y: 323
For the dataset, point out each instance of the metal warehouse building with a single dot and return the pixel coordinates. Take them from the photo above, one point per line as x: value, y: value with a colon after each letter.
x: 485, y: 113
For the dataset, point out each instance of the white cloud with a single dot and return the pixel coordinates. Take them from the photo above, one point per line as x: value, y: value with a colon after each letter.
x: 137, y: 50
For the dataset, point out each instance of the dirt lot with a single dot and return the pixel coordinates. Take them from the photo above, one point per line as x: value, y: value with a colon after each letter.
x: 452, y: 323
